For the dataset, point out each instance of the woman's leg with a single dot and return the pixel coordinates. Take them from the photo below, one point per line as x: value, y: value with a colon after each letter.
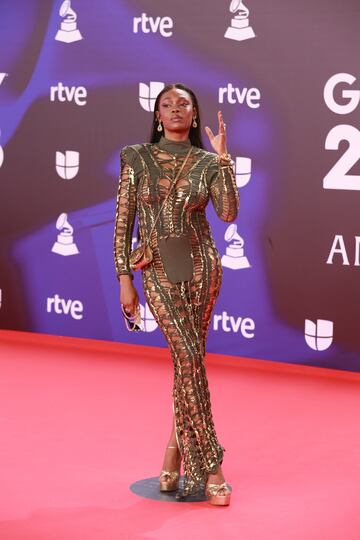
x: 172, y: 458
x: 217, y: 478
x: 183, y: 313
x: 200, y: 449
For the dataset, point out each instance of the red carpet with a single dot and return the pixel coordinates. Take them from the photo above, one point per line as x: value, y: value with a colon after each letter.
x: 82, y: 420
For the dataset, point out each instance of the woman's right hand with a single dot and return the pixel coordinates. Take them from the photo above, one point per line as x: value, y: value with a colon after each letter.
x: 129, y: 297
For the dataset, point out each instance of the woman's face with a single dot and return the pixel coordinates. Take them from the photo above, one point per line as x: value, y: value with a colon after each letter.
x: 176, y: 111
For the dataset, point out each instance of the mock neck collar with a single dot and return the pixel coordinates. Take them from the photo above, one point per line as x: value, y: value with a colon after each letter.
x: 176, y: 147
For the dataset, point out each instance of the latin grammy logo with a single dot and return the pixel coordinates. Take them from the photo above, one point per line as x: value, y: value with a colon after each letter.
x: 65, y: 241
x: 68, y: 32
x: 235, y: 256
x: 239, y: 29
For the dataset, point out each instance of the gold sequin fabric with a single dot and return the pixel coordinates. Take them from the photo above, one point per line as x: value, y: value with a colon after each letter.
x: 182, y: 310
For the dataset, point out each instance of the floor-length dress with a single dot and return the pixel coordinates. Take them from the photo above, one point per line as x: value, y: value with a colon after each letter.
x: 182, y: 310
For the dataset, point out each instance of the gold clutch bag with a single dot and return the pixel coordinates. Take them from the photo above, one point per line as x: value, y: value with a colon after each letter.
x: 141, y: 256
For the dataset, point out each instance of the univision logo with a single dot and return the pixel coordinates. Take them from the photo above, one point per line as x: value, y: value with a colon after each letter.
x: 148, y: 322
x: 67, y: 165
x: 1, y: 154
x: 319, y: 335
x: 242, y: 171
x: 148, y: 94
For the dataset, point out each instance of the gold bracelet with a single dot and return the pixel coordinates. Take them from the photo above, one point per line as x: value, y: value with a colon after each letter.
x: 225, y: 159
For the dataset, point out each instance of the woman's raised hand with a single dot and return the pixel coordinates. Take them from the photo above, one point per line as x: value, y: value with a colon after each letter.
x: 218, y: 142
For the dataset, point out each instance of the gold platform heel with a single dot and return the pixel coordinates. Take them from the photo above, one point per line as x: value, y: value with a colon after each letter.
x: 216, y: 498
x: 169, y: 480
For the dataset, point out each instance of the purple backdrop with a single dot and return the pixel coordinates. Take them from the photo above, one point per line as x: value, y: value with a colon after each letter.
x: 78, y: 81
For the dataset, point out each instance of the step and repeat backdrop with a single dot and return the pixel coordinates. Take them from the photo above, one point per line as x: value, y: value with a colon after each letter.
x: 78, y: 80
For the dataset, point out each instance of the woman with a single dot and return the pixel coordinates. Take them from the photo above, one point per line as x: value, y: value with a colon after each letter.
x: 181, y: 308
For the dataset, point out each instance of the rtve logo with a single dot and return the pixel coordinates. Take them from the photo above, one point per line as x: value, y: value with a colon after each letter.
x: 319, y: 335
x: 245, y: 326
x: 148, y: 24
x: 67, y: 165
x: 240, y: 95
x: 68, y: 93
x: 60, y: 306
x: 148, y: 94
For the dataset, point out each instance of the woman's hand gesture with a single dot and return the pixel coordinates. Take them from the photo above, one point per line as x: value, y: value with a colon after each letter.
x: 218, y: 142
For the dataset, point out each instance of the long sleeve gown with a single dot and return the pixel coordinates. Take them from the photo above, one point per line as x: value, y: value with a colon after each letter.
x: 182, y: 310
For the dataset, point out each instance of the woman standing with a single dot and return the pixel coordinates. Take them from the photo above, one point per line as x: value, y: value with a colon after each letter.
x: 181, y: 305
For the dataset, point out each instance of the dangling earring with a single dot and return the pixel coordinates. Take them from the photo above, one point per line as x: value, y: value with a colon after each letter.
x: 159, y: 128
x: 194, y: 124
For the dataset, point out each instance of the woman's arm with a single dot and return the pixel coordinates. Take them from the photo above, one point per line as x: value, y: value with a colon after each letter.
x: 221, y: 177
x: 125, y: 212
x: 223, y: 190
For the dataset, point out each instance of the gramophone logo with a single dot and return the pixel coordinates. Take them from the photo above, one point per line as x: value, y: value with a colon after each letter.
x: 2, y: 77
x: 65, y: 241
x: 148, y: 94
x: 1, y: 153
x: 319, y: 335
x: 242, y: 171
x: 68, y: 32
x: 148, y: 322
x: 240, y: 30
x: 235, y: 257
x: 67, y: 165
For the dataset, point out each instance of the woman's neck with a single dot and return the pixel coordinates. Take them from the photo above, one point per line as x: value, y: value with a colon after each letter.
x: 176, y: 137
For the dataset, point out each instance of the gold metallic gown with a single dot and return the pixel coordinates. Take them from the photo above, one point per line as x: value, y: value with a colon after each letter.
x: 182, y: 310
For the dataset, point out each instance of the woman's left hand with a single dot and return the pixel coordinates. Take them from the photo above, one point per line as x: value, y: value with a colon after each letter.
x: 218, y: 142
